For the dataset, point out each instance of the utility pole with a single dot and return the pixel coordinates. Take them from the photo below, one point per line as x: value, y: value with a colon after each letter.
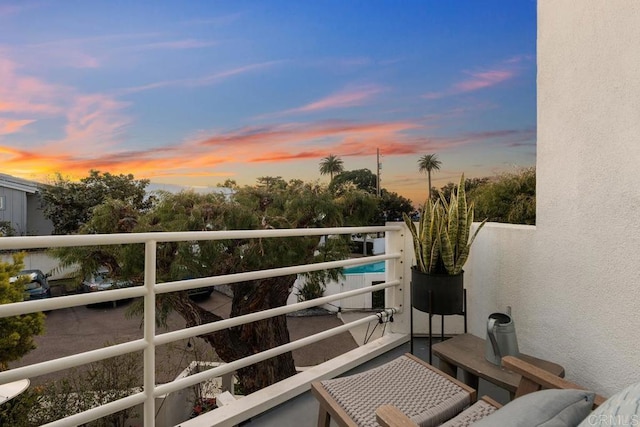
x: 378, y: 168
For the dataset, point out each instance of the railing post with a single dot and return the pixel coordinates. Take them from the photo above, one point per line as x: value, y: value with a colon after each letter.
x: 149, y: 332
x: 399, y: 269
x: 227, y: 383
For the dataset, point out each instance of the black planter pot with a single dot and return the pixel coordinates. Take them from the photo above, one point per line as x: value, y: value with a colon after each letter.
x: 446, y: 291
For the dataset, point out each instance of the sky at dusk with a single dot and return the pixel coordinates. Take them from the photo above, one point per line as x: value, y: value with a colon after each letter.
x: 197, y: 92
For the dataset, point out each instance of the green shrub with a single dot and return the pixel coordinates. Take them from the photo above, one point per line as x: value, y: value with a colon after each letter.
x: 510, y: 198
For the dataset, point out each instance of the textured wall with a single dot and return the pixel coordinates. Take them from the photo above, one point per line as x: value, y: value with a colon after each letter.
x: 573, y: 280
x: 585, y: 307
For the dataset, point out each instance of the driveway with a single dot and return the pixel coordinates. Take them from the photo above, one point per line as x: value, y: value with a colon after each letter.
x: 73, y: 330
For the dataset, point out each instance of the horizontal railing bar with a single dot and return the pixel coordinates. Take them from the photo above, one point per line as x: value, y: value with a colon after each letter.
x: 261, y: 315
x: 230, y: 279
x: 34, y: 242
x: 100, y: 411
x: 259, y: 357
x: 17, y: 308
x: 72, y: 361
x: 150, y: 343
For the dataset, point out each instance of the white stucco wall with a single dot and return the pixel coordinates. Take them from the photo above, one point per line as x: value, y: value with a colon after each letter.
x: 587, y: 299
x: 573, y: 280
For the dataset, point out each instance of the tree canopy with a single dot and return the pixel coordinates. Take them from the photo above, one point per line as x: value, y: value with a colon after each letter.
x: 428, y: 163
x: 362, y: 179
x: 271, y: 204
x: 331, y: 165
x: 388, y: 207
x: 68, y: 204
x: 511, y: 197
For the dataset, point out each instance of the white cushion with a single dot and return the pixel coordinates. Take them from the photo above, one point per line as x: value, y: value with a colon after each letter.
x: 621, y: 409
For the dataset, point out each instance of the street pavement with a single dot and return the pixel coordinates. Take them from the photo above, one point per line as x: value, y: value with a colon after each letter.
x: 79, y: 329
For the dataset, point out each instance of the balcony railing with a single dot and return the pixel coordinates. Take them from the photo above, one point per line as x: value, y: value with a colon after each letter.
x: 397, y: 247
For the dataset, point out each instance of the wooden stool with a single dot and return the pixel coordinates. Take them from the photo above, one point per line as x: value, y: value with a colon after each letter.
x: 427, y: 395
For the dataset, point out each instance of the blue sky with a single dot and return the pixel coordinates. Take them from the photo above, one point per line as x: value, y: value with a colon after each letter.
x: 194, y: 93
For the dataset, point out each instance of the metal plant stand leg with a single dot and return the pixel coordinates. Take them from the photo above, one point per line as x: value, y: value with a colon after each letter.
x: 464, y: 313
x: 430, y: 310
x: 430, y: 335
x: 411, y: 314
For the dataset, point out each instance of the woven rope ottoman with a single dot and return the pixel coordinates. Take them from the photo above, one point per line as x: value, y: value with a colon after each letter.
x: 425, y: 394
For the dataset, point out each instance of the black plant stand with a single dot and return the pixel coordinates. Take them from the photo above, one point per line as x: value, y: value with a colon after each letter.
x: 463, y: 313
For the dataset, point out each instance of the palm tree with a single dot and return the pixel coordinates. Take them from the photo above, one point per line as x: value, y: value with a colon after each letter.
x: 331, y: 165
x: 428, y: 163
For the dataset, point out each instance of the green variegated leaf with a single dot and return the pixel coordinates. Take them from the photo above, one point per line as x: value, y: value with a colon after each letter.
x: 452, y: 223
x: 470, y: 217
x: 476, y: 232
x: 462, y: 258
x: 417, y: 245
x: 442, y: 240
x: 435, y: 256
x: 463, y: 227
x: 446, y: 252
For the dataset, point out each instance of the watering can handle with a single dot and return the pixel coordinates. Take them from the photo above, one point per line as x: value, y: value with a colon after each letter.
x: 492, y: 337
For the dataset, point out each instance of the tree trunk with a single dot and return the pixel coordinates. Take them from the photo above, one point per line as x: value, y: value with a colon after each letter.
x: 250, y: 297
x: 251, y: 338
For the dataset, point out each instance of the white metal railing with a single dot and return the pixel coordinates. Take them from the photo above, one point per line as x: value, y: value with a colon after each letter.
x: 395, y: 301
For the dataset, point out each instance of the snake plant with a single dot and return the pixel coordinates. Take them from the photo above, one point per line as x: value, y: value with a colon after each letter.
x: 443, y: 238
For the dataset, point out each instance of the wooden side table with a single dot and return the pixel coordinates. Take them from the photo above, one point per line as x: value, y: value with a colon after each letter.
x: 467, y: 353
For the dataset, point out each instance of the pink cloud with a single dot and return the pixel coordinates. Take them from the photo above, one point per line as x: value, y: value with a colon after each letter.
x: 94, y: 122
x: 506, y: 70
x: 91, y: 121
x: 25, y: 94
x: 8, y: 126
x: 200, y: 81
x: 478, y: 80
x: 14, y: 9
x: 483, y: 79
x: 297, y: 134
x: 174, y: 44
x: 351, y: 97
x: 225, y: 150
x: 347, y: 98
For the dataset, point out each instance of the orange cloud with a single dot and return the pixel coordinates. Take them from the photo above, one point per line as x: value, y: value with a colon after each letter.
x: 219, y: 154
x: 304, y: 133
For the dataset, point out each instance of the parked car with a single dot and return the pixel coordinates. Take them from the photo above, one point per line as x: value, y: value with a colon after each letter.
x: 201, y: 293
x: 100, y: 281
x: 38, y: 285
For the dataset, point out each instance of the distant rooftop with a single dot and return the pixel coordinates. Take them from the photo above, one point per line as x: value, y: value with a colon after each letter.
x: 174, y: 188
x: 15, y: 183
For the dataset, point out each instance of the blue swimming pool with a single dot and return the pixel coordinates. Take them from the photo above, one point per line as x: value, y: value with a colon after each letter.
x: 376, y: 267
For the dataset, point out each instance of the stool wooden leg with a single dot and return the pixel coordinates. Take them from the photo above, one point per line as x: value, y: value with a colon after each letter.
x: 448, y: 368
x: 324, y: 419
x: 470, y: 379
